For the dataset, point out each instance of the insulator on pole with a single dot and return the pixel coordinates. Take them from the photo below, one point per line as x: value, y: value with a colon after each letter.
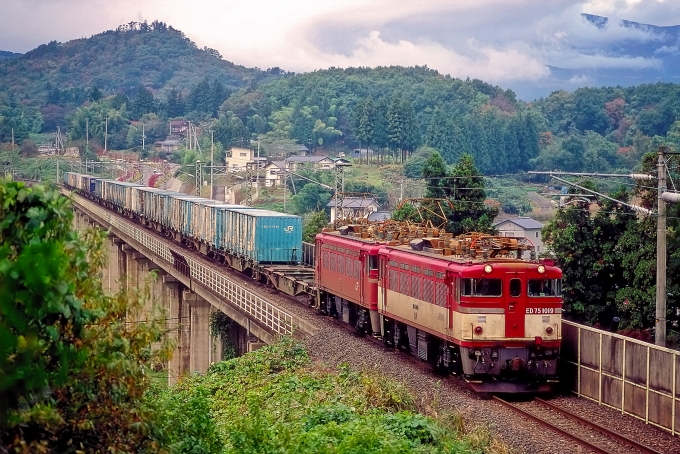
x: 640, y: 210
x: 642, y: 176
x: 670, y: 197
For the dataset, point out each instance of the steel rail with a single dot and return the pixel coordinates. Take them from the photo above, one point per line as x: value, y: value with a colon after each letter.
x: 553, y: 427
x: 603, y: 430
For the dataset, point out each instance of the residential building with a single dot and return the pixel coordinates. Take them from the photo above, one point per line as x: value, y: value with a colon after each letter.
x: 379, y: 216
x: 237, y: 158
x: 354, y: 207
x: 294, y: 163
x: 522, y: 227
x: 273, y: 174
x: 179, y: 128
x: 171, y: 143
x: 275, y: 171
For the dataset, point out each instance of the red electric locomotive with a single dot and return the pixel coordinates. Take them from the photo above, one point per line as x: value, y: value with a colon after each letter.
x: 347, y: 278
x: 472, y: 306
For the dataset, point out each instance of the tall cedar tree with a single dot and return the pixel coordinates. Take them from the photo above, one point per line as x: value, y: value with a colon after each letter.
x: 463, y: 186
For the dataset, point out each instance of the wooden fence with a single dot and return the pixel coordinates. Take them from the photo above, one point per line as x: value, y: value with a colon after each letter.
x: 634, y: 377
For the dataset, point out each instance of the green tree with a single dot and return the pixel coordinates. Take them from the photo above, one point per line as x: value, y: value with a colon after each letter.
x: 313, y: 223
x: 402, y: 129
x: 142, y: 103
x: 175, y: 104
x: 364, y: 122
x: 436, y: 175
x: 73, y: 371
x: 468, y: 196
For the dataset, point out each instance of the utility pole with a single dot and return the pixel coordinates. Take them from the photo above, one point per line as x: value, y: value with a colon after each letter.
x: 661, y: 244
x: 106, y: 133
x: 199, y: 178
x: 660, y: 323
x: 285, y: 176
x: 212, y: 162
x: 87, y: 136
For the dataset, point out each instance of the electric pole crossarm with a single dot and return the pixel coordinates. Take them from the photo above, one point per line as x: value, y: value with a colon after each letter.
x: 635, y: 176
x: 670, y: 197
x: 635, y: 208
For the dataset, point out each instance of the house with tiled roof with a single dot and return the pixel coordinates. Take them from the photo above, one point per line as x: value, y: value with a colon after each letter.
x: 354, y: 207
x: 294, y: 163
x: 275, y: 171
x: 522, y: 227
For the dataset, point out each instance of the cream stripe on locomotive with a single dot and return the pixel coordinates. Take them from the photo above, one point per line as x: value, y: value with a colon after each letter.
x: 536, y: 325
x: 420, y: 312
x: 435, y: 318
x: 493, y: 326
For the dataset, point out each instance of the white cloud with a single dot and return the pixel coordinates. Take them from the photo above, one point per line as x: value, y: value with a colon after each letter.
x: 481, y: 61
x: 493, y: 40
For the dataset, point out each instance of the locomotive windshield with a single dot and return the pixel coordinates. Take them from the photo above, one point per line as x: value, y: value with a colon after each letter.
x: 544, y: 287
x: 481, y: 287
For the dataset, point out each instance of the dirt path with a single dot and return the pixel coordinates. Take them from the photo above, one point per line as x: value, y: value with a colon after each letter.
x: 539, y: 202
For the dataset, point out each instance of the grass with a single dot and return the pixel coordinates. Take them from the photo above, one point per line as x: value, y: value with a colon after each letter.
x: 277, y: 400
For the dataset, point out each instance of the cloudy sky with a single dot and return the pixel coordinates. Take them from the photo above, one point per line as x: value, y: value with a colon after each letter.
x: 499, y: 41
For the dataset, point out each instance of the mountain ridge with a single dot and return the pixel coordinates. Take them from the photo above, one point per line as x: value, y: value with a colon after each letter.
x: 156, y: 56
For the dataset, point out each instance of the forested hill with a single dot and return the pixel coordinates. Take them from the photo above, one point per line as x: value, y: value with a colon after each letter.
x: 4, y: 55
x: 397, y: 108
x: 145, y: 73
x: 155, y: 55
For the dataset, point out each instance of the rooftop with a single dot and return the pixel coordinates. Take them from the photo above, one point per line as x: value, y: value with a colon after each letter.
x: 523, y: 222
x: 306, y: 158
x: 354, y: 202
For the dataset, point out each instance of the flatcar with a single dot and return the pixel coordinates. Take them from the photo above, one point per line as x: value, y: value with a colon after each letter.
x: 476, y: 306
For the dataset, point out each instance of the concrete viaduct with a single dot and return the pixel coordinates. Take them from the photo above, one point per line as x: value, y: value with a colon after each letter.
x: 189, y: 288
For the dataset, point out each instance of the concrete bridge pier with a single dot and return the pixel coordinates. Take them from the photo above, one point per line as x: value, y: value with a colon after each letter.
x: 188, y: 311
x: 200, y: 341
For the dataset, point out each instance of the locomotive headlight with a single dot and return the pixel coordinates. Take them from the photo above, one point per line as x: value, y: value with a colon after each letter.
x: 541, y: 269
x: 488, y: 268
x: 548, y: 330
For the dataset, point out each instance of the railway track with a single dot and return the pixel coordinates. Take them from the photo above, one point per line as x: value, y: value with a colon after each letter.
x: 591, y: 436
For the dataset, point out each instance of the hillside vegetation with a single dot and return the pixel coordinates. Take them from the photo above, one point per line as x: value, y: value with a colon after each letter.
x: 154, y: 55
x: 276, y: 400
x: 149, y: 73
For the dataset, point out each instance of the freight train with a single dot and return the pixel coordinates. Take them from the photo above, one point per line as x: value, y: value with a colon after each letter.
x: 477, y: 306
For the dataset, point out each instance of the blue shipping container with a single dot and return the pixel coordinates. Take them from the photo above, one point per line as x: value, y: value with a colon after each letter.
x: 265, y: 236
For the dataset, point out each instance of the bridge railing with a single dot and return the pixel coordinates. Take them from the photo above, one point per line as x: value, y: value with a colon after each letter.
x: 268, y: 315
x: 634, y: 377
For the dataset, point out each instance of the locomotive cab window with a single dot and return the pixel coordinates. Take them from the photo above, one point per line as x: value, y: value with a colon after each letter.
x: 515, y: 287
x: 481, y: 287
x: 373, y: 262
x: 544, y: 287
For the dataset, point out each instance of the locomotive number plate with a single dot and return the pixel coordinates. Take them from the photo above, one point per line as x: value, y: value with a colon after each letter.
x: 540, y: 310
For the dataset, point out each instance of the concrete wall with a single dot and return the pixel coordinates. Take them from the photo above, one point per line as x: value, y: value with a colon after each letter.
x: 637, y: 378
